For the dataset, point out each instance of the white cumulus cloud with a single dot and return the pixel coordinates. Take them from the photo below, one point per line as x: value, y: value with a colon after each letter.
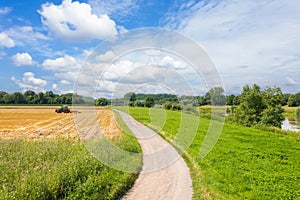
x: 30, y: 82
x: 22, y: 59
x: 65, y: 68
x: 171, y: 62
x: 262, y: 35
x: 64, y: 82
x: 109, y: 55
x: 6, y: 41
x: 61, y: 64
x: 75, y: 21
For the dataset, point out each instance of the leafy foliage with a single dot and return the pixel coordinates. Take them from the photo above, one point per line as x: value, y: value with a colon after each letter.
x: 149, y: 102
x: 298, y: 112
x: 260, y: 107
x: 101, y: 102
x: 216, y: 96
x: 172, y: 106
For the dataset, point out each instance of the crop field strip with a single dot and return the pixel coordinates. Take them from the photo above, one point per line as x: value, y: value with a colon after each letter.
x: 32, y: 122
x: 41, y: 156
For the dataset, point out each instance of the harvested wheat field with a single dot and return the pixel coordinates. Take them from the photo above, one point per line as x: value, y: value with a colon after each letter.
x: 35, y: 122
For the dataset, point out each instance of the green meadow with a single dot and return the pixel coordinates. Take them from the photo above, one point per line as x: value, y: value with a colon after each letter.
x: 246, y: 163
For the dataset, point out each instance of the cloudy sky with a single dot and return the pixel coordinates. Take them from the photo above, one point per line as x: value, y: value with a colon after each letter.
x: 44, y: 44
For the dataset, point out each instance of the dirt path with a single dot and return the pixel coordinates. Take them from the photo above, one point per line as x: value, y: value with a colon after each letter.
x: 165, y: 175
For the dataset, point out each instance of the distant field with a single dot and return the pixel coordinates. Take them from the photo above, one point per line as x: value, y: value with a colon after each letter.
x: 246, y: 163
x: 34, y: 122
x: 290, y: 111
x: 41, y: 156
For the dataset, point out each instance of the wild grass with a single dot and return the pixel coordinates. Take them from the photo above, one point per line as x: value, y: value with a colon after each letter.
x: 289, y: 111
x: 60, y: 168
x: 246, y: 163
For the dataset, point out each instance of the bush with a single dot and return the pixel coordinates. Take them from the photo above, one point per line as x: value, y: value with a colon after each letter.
x: 298, y: 112
x: 149, y: 102
x: 172, y: 106
x: 176, y: 106
x: 138, y: 103
x: 167, y: 105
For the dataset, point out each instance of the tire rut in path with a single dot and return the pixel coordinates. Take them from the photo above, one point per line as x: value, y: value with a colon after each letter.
x: 165, y: 175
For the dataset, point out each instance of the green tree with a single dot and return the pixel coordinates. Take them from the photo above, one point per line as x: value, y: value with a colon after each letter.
x: 298, y: 112
x: 215, y: 96
x: 272, y: 114
x: 297, y: 99
x: 2, y: 93
x: 29, y: 96
x: 101, y: 102
x: 292, y: 100
x: 285, y: 99
x: 149, y: 102
x: 138, y: 103
x: 260, y: 107
x: 229, y: 99
x: 7, y: 98
x: 167, y: 105
x: 41, y: 98
x: 131, y: 96
x: 249, y: 112
x: 17, y: 98
x: 236, y: 100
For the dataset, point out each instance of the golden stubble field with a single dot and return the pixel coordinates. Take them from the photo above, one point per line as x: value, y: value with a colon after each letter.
x: 36, y: 122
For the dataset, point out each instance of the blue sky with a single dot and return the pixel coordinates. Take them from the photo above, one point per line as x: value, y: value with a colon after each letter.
x: 43, y: 44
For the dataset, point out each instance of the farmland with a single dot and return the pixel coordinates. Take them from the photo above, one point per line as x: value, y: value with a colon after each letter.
x: 41, y: 156
x: 33, y: 122
x: 246, y: 163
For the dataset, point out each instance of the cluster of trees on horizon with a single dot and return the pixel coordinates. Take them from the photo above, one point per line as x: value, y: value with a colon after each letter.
x: 214, y: 96
x: 253, y: 107
x: 30, y: 97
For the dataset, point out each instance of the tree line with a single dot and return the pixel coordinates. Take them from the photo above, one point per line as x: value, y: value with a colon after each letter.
x: 253, y: 107
x: 30, y: 97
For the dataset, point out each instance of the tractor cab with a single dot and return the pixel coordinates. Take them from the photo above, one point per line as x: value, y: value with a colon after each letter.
x: 63, y: 109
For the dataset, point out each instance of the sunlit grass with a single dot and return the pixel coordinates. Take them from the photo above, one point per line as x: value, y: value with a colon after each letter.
x: 246, y: 163
x: 60, y: 168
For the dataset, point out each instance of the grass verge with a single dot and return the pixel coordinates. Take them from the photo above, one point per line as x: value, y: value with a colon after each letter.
x: 60, y: 168
x: 246, y: 163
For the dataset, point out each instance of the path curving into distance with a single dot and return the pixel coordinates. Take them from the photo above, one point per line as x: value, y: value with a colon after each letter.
x: 165, y: 175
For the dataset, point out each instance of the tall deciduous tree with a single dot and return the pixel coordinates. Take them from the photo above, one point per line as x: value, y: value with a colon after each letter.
x: 249, y: 111
x: 216, y: 96
x: 260, y: 107
x: 18, y: 97
x: 272, y: 114
x: 292, y: 100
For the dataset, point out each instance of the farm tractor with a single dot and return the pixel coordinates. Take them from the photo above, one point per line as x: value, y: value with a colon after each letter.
x: 63, y: 109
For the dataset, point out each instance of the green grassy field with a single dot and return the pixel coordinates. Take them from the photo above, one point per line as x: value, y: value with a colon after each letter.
x: 246, y: 163
x: 60, y: 169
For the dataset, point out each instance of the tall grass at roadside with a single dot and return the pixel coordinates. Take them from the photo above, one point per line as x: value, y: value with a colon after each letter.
x: 60, y: 168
